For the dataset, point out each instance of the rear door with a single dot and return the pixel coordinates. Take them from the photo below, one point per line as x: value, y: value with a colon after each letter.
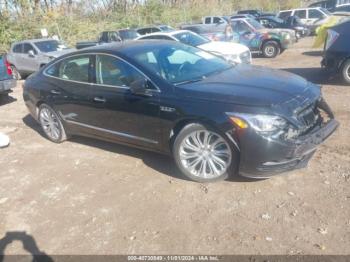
x: 118, y: 113
x: 69, y: 90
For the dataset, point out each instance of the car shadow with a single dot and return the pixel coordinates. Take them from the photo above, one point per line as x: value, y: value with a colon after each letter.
x: 162, y: 163
x: 7, y: 99
x: 316, y: 75
x: 28, y: 243
x: 313, y: 53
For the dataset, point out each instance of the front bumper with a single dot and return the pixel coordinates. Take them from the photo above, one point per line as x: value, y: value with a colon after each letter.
x: 262, y: 157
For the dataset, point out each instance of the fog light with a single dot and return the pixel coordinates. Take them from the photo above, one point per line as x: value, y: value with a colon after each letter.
x: 239, y: 122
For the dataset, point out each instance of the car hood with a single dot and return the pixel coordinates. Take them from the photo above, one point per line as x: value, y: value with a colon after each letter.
x: 252, y: 86
x: 56, y: 54
x: 224, y: 48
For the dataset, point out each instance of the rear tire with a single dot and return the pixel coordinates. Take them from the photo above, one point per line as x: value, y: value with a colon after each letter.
x: 346, y: 71
x: 51, y: 124
x: 15, y: 73
x: 203, y: 154
x: 271, y: 49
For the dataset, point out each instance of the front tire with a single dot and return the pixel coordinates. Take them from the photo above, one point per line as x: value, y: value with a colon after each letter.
x: 346, y: 72
x: 51, y: 124
x: 203, y: 155
x: 271, y: 49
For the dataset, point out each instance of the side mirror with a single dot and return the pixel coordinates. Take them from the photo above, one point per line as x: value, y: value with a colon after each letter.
x: 139, y: 87
x: 31, y: 53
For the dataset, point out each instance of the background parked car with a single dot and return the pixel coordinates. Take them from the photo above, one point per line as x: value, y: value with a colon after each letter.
x: 330, y: 5
x: 342, y: 10
x: 109, y: 37
x: 292, y: 22
x: 307, y: 16
x: 7, y: 81
x: 29, y: 56
x: 336, y: 58
x: 232, y: 52
x: 154, y: 29
x: 267, y: 41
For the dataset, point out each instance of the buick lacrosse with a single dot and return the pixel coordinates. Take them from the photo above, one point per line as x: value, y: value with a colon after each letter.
x: 216, y: 119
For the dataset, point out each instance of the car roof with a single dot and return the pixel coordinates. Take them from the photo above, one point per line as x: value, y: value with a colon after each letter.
x: 296, y: 9
x: 170, y: 33
x: 125, y: 47
x: 34, y: 40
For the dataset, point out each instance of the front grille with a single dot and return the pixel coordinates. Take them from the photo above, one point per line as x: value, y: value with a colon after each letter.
x: 309, y: 117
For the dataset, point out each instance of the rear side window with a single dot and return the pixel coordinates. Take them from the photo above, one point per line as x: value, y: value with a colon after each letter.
x: 17, y: 48
x: 207, y: 20
x: 315, y: 14
x: 300, y: 13
x: 285, y: 14
x: 74, y: 68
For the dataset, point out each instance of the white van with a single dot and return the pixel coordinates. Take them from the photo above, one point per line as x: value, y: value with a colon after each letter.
x: 307, y: 15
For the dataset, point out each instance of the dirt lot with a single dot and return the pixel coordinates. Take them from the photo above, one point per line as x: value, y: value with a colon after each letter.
x: 91, y: 197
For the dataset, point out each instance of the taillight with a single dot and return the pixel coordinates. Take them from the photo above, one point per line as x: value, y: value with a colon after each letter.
x: 8, y: 67
x: 331, y: 38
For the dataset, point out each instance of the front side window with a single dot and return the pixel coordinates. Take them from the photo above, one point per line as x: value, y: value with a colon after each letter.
x: 27, y: 48
x: 180, y: 63
x: 300, y: 13
x: 240, y: 27
x: 115, y: 72
x: 74, y: 68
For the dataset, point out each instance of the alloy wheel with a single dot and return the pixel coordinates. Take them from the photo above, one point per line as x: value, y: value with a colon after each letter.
x: 205, y: 154
x: 50, y: 124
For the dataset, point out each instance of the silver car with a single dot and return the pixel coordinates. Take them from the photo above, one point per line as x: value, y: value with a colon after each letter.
x: 29, y: 56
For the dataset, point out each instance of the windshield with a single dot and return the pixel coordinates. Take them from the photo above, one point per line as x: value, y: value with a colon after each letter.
x: 255, y: 24
x: 49, y: 46
x: 166, y: 28
x: 178, y: 63
x: 324, y: 10
x: 192, y: 39
x: 128, y: 34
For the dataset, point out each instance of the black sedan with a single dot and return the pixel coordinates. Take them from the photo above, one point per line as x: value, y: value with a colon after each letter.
x: 214, y: 118
x: 336, y: 57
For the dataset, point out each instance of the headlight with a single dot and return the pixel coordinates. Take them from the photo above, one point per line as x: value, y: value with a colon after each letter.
x: 261, y: 123
x: 232, y: 58
x: 287, y: 36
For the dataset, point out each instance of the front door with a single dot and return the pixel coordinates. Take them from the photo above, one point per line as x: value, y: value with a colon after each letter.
x: 118, y: 113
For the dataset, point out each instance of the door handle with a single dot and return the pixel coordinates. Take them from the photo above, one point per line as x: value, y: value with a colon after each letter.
x: 55, y: 92
x: 99, y: 99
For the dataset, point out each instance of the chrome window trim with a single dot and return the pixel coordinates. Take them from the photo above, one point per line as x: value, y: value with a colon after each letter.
x: 113, y: 132
x: 95, y: 84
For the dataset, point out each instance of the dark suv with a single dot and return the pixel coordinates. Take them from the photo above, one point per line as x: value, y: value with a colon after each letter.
x: 214, y: 118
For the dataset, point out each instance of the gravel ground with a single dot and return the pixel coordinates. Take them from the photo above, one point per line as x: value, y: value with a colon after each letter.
x: 90, y: 197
